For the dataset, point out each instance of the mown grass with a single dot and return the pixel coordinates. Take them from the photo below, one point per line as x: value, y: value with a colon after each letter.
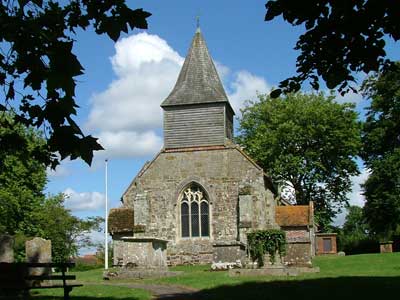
x: 375, y: 265
x: 366, y: 277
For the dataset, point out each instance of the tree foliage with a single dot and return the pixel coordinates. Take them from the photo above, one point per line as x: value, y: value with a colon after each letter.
x: 38, y: 69
x: 67, y: 233
x: 355, y: 237
x: 355, y: 223
x: 308, y: 141
x: 25, y: 211
x: 341, y: 37
x: 381, y: 151
x: 22, y: 178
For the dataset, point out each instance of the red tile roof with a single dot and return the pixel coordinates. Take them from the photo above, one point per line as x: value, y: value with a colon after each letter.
x: 296, y: 215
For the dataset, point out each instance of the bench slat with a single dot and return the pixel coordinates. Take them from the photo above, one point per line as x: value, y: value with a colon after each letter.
x: 50, y: 277
x: 55, y: 286
x: 15, y: 276
x: 38, y: 265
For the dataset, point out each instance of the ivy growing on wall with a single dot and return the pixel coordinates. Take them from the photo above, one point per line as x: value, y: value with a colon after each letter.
x: 270, y: 241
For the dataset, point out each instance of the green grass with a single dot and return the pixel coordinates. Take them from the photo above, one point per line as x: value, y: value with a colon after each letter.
x: 369, y: 265
x: 366, y: 277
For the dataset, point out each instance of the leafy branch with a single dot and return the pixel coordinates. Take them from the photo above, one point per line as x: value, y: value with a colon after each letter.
x: 38, y: 69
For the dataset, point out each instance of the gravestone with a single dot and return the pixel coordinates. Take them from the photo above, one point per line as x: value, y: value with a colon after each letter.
x: 386, y: 247
x: 6, y: 248
x: 38, y: 250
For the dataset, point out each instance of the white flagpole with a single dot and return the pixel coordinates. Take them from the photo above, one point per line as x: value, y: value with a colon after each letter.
x: 106, y: 224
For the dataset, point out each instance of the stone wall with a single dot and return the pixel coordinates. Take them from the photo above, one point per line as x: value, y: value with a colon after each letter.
x: 222, y: 172
x: 298, y: 254
x: 299, y: 246
x: 229, y: 252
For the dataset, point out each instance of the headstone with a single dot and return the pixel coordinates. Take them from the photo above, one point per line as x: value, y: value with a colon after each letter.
x: 386, y: 247
x: 38, y: 250
x: 6, y: 248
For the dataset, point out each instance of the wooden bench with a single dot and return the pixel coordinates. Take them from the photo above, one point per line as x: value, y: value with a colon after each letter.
x: 20, y: 277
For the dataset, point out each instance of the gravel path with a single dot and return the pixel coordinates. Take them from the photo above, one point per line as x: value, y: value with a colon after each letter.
x: 159, y: 291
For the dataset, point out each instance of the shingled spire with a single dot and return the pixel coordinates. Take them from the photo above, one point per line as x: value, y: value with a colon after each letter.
x: 198, y: 81
x: 197, y: 111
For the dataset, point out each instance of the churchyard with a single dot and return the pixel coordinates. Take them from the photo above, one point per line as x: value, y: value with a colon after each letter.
x: 367, y: 276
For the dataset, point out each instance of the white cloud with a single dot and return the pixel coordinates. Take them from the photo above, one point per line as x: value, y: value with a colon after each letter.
x: 350, y: 97
x: 96, y: 238
x: 86, y: 201
x: 127, y: 115
x: 60, y: 171
x: 222, y: 70
x: 129, y: 143
x: 245, y: 86
x: 356, y: 196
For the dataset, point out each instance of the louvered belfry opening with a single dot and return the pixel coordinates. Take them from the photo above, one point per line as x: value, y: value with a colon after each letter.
x: 195, y: 221
x: 197, y: 112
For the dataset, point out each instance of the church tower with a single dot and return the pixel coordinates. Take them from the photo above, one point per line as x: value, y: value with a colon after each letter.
x: 197, y: 112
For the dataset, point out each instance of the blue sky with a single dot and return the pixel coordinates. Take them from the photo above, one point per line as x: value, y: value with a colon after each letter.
x: 124, y: 83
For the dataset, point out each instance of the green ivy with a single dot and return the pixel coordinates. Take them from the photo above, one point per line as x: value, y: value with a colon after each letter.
x: 261, y: 242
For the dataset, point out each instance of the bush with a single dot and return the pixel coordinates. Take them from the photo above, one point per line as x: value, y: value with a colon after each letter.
x: 80, y: 266
x: 353, y: 244
x: 261, y: 242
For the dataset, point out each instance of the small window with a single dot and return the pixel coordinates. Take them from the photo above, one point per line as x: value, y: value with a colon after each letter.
x: 195, y: 220
x: 327, y: 244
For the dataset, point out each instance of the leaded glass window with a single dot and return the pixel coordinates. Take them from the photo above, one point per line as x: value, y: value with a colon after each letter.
x: 195, y: 221
x: 185, y: 219
x: 204, y: 218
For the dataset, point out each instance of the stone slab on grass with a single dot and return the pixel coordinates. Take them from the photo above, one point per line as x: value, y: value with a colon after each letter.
x: 282, y: 271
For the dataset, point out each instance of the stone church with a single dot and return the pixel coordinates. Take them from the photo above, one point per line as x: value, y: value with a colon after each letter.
x: 200, y: 195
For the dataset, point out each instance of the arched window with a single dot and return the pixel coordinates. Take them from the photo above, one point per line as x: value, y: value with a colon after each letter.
x: 195, y: 221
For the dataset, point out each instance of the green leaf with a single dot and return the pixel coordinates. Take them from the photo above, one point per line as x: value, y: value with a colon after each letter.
x: 11, y: 93
x: 276, y: 93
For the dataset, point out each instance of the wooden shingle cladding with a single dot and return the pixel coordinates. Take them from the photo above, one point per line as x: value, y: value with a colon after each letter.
x: 194, y: 125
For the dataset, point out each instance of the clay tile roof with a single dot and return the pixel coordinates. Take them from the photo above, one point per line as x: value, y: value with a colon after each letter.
x: 198, y: 81
x: 296, y: 215
x: 120, y: 220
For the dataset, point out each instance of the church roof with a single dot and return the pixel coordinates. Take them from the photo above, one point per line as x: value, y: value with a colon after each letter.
x: 198, y: 81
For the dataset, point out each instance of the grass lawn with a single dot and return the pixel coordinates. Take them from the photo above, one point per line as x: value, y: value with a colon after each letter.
x: 366, y: 277
x: 366, y: 265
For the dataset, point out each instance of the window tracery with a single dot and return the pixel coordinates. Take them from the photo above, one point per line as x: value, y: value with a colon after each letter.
x: 195, y: 221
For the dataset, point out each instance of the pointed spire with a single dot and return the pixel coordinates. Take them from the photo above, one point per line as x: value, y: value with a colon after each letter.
x: 197, y: 24
x: 198, y: 81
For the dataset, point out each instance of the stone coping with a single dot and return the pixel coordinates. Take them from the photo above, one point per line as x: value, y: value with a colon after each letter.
x: 325, y: 234
x: 143, y: 239
x: 228, y: 243
x: 276, y: 271
x: 298, y: 241
x: 139, y: 273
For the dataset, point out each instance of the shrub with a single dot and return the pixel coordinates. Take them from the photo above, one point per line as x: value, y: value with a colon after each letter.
x: 261, y: 242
